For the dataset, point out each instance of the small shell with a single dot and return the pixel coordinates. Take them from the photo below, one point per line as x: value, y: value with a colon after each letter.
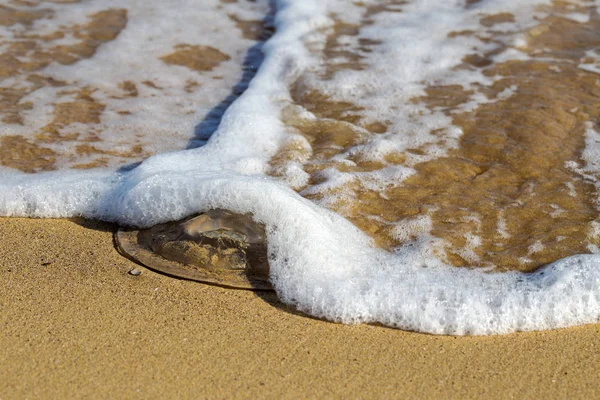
x: 216, y: 247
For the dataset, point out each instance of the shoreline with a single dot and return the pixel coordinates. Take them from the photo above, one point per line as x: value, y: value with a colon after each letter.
x: 76, y: 324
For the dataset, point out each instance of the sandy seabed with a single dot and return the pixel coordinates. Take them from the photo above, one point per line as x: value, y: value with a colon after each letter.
x: 75, y: 324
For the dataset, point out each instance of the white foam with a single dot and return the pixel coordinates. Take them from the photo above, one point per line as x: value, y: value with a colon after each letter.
x: 591, y: 62
x: 535, y: 247
x: 557, y: 211
x: 320, y: 262
x: 578, y: 17
x: 410, y: 228
x: 165, y: 111
x: 501, y: 226
x: 415, y: 49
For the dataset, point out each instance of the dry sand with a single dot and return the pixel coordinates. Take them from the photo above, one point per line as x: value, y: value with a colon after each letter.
x: 74, y: 323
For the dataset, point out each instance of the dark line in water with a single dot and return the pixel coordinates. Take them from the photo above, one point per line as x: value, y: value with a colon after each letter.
x: 254, y: 58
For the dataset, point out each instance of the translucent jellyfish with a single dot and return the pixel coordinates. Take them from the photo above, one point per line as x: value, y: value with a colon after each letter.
x: 218, y: 247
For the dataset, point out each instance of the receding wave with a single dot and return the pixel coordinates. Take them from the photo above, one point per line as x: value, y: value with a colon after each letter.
x: 429, y: 165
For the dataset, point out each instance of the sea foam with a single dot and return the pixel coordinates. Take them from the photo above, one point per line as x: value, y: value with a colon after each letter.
x: 320, y: 262
x: 146, y: 85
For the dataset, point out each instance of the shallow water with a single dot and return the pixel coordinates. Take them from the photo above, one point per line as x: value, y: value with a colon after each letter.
x: 450, y: 133
x: 489, y: 145
x: 87, y: 84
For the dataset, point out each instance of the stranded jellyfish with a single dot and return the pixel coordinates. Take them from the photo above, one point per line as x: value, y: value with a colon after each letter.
x: 217, y: 247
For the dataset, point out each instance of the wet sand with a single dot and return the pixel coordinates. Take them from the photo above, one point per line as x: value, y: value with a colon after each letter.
x: 74, y: 323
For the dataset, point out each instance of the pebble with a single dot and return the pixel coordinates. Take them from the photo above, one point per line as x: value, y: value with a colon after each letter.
x: 135, y: 272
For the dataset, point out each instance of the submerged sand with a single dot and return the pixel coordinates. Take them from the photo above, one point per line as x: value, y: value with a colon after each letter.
x: 508, y: 195
x: 74, y: 323
x: 516, y: 192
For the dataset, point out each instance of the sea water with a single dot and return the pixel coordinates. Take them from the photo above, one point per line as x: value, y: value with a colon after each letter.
x: 429, y: 165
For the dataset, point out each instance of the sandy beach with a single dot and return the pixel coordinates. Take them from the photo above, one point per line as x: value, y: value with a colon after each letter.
x: 76, y: 324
